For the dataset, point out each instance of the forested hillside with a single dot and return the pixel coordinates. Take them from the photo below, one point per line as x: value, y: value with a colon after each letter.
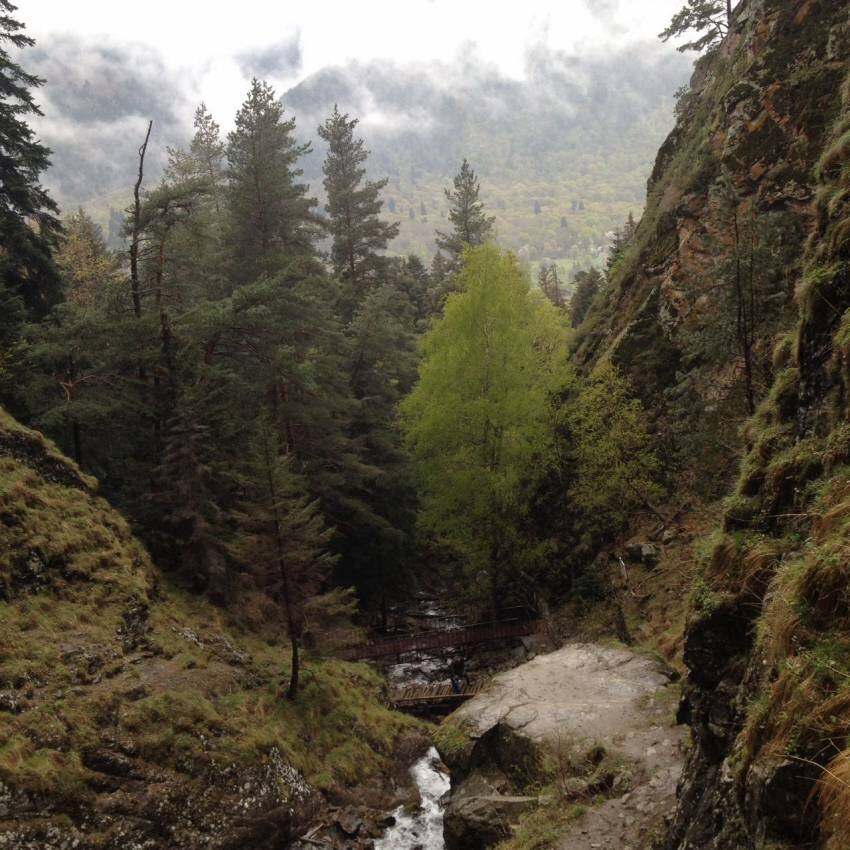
x: 564, y: 153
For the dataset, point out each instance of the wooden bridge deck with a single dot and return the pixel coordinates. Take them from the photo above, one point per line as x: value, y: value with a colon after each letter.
x: 434, y: 697
x: 446, y: 639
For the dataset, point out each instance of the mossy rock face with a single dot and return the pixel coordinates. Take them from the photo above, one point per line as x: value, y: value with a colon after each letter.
x: 134, y: 715
x: 455, y: 742
x: 716, y: 639
x: 758, y: 116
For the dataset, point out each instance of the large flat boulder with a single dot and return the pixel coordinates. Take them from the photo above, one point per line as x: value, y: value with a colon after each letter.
x: 581, y: 691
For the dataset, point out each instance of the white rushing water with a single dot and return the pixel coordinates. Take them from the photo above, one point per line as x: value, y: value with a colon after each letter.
x: 417, y: 670
x: 423, y: 829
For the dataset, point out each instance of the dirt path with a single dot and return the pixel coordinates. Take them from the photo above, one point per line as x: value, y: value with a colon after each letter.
x: 591, y: 694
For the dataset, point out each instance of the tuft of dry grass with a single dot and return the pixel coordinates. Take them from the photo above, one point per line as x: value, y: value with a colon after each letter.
x: 825, y: 587
x: 779, y: 626
x: 835, y: 801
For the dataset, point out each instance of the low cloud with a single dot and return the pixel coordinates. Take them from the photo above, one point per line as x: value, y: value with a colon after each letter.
x: 277, y: 61
x: 96, y: 102
x: 415, y: 117
x: 430, y: 115
x: 605, y: 10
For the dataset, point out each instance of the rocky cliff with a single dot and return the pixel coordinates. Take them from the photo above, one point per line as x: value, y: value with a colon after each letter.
x: 730, y: 205
x: 135, y: 716
x: 762, y: 136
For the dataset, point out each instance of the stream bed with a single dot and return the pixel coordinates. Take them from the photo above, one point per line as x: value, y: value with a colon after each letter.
x: 421, y: 829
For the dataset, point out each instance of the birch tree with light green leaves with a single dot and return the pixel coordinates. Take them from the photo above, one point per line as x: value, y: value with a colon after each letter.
x: 480, y: 422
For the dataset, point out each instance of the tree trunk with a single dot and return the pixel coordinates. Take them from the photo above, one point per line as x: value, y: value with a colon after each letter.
x: 729, y: 13
x: 292, y: 625
x: 78, y: 442
x: 292, y: 690
x: 494, y: 587
x: 135, y: 288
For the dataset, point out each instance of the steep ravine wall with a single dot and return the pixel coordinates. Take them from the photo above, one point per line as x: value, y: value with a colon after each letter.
x: 768, y: 639
x: 768, y: 693
x: 751, y: 127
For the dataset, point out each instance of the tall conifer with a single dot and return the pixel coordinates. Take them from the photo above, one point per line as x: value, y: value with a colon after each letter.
x: 472, y: 226
x: 284, y: 538
x: 29, y: 228
x: 271, y: 215
x: 353, y: 208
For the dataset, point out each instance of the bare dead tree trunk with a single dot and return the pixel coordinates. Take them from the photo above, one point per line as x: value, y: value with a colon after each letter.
x: 729, y: 13
x: 135, y: 288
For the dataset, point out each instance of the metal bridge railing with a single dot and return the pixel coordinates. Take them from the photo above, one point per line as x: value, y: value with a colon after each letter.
x: 435, y: 640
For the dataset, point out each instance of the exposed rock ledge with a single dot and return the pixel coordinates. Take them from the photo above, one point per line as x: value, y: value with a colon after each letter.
x: 582, y: 698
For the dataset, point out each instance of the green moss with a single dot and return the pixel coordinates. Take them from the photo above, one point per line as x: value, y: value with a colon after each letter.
x: 785, y: 351
x: 453, y: 740
x: 63, y: 537
x: 702, y: 597
x: 543, y: 827
x: 41, y: 770
x: 741, y: 512
x: 817, y: 280
x: 783, y: 397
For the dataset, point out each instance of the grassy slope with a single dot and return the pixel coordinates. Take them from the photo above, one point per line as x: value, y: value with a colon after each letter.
x: 99, y: 652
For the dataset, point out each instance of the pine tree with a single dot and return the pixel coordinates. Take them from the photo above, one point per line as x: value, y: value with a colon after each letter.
x: 271, y: 215
x: 587, y: 284
x: 622, y: 239
x: 280, y: 342
x: 713, y: 18
x: 91, y: 272
x: 64, y: 377
x: 353, y: 208
x: 207, y: 149
x: 382, y: 368
x: 416, y: 282
x: 200, y: 240
x: 205, y: 158
x: 165, y: 210
x: 550, y: 285
x: 285, y: 538
x: 439, y: 284
x: 614, y: 465
x: 472, y: 226
x: 64, y: 373
x: 29, y: 281
x: 192, y: 489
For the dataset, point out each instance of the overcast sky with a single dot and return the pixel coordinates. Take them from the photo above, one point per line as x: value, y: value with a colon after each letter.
x: 216, y: 47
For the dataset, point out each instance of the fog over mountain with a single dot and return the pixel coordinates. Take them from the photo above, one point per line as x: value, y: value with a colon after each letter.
x: 574, y: 138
